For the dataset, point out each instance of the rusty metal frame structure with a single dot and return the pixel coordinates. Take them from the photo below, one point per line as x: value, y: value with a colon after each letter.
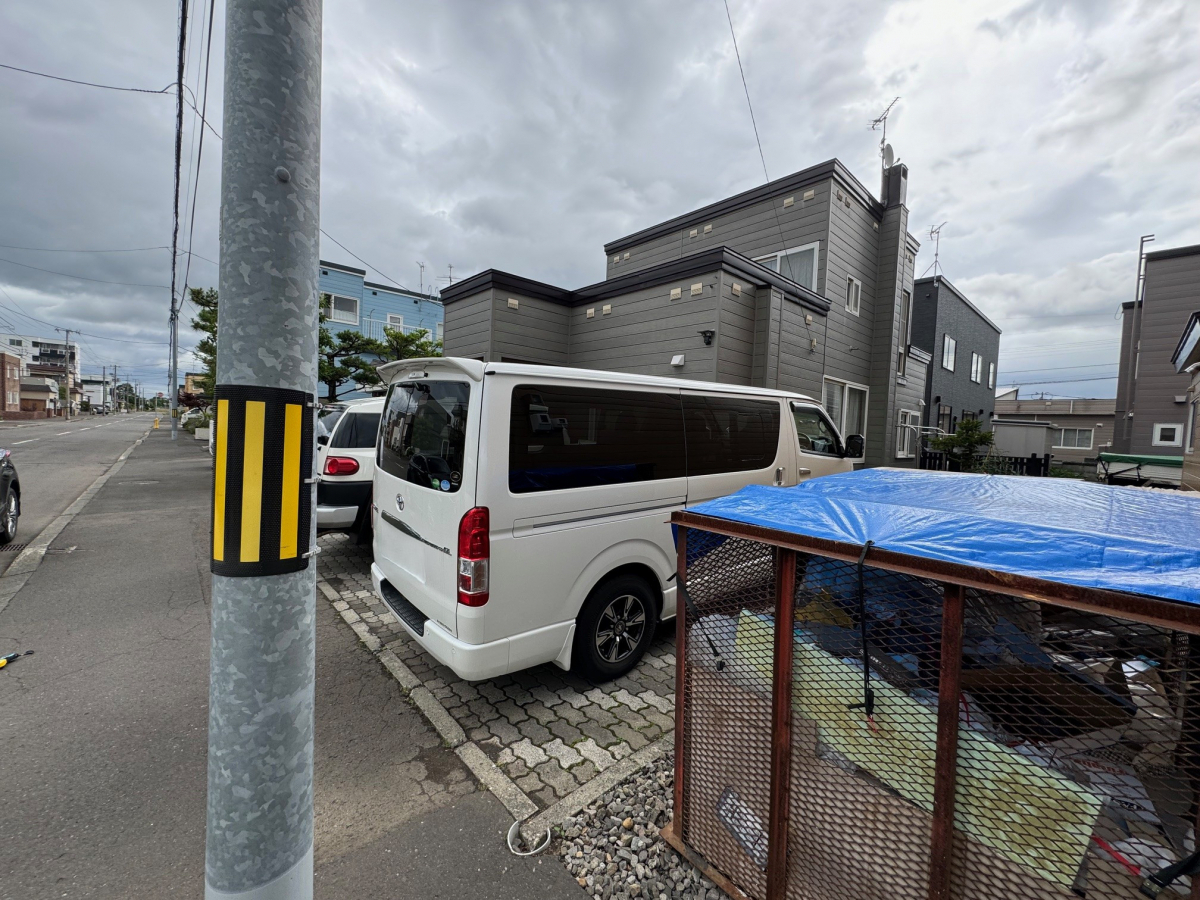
x: 955, y: 579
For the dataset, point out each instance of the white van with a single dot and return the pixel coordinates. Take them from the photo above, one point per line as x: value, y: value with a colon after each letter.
x: 521, y: 511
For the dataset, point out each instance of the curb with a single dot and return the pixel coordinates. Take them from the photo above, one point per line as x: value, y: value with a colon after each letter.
x: 31, y: 557
x: 519, y: 805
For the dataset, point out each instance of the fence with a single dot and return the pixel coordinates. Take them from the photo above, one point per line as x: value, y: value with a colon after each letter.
x: 1032, y: 465
x: 373, y: 328
x: 895, y: 727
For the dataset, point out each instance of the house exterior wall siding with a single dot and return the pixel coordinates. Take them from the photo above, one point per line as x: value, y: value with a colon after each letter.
x: 469, y: 326
x: 1096, y: 415
x: 1170, y: 295
x: 536, y: 331
x: 940, y: 311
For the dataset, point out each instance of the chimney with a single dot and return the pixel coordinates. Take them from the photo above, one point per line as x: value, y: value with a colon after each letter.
x: 895, y: 186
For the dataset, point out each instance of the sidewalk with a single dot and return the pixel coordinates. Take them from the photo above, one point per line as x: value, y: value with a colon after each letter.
x: 105, y: 728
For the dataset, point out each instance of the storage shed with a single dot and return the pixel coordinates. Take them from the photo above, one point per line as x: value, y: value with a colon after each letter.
x: 902, y: 684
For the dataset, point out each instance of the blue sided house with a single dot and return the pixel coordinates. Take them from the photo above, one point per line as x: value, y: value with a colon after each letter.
x: 368, y: 308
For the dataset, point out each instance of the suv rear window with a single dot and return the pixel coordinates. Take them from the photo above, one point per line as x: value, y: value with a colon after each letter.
x: 358, y: 430
x: 424, y: 433
x: 327, y: 419
x: 567, y: 437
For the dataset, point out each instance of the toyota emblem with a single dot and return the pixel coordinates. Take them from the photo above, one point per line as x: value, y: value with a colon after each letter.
x: 400, y: 502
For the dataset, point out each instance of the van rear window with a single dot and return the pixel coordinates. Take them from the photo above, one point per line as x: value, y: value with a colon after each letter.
x: 424, y: 433
x: 358, y: 431
x: 566, y: 437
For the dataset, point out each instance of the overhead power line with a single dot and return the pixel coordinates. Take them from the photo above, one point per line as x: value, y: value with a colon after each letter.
x: 364, y: 262
x: 67, y: 250
x: 199, y: 150
x: 15, y: 308
x: 746, y: 88
x: 1055, y: 369
x: 81, y: 277
x: 106, y: 87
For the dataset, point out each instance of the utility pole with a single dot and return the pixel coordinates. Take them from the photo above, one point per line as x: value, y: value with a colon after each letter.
x: 116, y: 393
x: 260, y: 726
x: 173, y: 378
x: 103, y: 387
x: 67, y: 357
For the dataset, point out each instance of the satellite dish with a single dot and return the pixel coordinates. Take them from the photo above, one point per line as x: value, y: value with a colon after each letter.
x: 888, y: 156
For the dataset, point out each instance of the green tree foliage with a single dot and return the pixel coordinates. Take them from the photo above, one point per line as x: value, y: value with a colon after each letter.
x: 965, y: 443
x: 205, y: 322
x: 417, y: 345
x: 348, y: 357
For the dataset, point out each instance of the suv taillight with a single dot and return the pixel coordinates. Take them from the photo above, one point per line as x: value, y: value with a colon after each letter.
x: 474, y: 548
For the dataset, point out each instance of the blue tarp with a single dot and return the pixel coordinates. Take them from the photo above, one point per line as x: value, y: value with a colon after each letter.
x: 1058, y: 529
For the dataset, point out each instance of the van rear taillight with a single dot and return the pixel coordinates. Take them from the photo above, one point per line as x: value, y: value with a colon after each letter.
x: 474, y: 549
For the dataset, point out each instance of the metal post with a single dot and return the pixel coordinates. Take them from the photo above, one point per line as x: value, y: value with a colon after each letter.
x: 781, y: 722
x: 941, y: 838
x: 680, y: 676
x: 260, y: 745
x: 173, y: 377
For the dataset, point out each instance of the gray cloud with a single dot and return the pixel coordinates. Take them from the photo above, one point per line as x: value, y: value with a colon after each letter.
x: 523, y: 135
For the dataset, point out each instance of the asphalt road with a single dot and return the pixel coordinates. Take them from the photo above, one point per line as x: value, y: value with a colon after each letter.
x: 57, y: 460
x: 103, y: 731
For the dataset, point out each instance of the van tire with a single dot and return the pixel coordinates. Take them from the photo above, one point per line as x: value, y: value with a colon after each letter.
x: 614, y: 628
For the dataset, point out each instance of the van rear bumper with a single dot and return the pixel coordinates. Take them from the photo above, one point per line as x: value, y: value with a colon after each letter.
x: 476, y: 662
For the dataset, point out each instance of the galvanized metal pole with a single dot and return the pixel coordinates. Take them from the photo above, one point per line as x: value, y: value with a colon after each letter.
x: 174, y: 373
x: 260, y: 750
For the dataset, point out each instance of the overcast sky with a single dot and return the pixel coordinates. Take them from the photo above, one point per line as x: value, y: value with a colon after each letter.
x: 1048, y: 135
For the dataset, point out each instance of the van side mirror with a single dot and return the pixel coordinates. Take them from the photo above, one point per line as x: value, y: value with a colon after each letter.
x: 856, y: 446
x: 322, y: 439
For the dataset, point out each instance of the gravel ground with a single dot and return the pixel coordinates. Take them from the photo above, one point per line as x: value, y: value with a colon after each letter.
x: 614, y: 850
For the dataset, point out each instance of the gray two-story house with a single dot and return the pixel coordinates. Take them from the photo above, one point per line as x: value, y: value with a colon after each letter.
x: 1152, y: 396
x: 802, y: 284
x: 965, y: 346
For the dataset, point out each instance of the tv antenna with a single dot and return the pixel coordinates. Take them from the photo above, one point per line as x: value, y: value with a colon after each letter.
x: 422, y: 267
x: 885, y: 149
x: 450, y: 277
x: 935, y: 235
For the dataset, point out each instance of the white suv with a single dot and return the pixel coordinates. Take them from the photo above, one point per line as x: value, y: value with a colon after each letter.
x: 346, y: 435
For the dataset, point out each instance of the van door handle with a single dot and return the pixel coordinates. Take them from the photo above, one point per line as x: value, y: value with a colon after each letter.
x: 779, y: 473
x: 803, y: 471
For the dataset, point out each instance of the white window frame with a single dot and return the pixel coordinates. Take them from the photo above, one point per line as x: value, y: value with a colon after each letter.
x: 905, y: 318
x: 840, y: 421
x: 949, y: 351
x: 853, y: 295
x: 1157, y: 440
x: 440, y: 331
x: 1189, y: 431
x: 976, y: 368
x: 397, y: 324
x: 815, y: 247
x: 992, y: 376
x: 1091, y: 432
x: 334, y: 315
x: 906, y: 435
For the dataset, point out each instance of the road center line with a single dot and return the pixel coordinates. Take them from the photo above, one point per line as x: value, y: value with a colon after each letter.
x: 30, y: 441
x: 61, y: 433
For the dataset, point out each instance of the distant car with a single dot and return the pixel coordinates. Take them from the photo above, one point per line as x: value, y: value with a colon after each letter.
x: 10, y: 490
x: 346, y: 434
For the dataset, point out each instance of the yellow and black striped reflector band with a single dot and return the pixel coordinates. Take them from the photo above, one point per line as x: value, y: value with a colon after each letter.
x: 263, y: 454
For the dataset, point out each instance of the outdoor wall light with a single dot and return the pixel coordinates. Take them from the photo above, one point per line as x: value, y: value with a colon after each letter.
x: 707, y: 334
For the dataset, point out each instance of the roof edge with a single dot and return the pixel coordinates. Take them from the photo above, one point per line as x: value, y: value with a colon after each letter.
x: 1173, y: 252
x: 831, y: 168
x: 332, y: 265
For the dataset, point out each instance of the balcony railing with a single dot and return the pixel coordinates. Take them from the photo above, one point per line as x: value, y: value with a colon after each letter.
x: 373, y: 328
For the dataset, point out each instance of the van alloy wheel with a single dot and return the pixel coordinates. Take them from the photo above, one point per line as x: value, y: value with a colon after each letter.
x: 620, y: 628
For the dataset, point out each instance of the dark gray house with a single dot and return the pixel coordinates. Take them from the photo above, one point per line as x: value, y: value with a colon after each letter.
x: 1152, y: 396
x: 802, y: 284
x: 965, y: 346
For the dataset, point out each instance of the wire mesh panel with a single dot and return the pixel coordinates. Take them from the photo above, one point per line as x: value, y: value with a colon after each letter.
x: 727, y: 703
x: 1052, y: 753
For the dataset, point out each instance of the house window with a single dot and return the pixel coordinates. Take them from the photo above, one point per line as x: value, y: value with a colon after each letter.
x: 1073, y: 439
x: 907, y: 434
x: 1193, y: 425
x: 15, y: 342
x: 799, y: 264
x: 340, y: 309
x: 439, y: 331
x: 905, y: 309
x: 1170, y: 435
x: 853, y: 295
x: 847, y: 406
x: 946, y: 419
x: 948, y: 347
x: 395, y: 321
x: 992, y: 376
x: 976, y: 368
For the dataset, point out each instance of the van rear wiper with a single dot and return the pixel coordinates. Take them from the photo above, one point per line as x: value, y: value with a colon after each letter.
x: 411, y: 532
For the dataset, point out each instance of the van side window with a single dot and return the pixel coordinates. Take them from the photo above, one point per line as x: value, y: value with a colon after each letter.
x: 358, y: 431
x: 424, y: 433
x: 814, y: 431
x: 567, y: 437
x: 729, y: 435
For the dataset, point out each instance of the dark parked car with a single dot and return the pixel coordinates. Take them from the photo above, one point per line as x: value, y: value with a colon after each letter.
x: 10, y: 490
